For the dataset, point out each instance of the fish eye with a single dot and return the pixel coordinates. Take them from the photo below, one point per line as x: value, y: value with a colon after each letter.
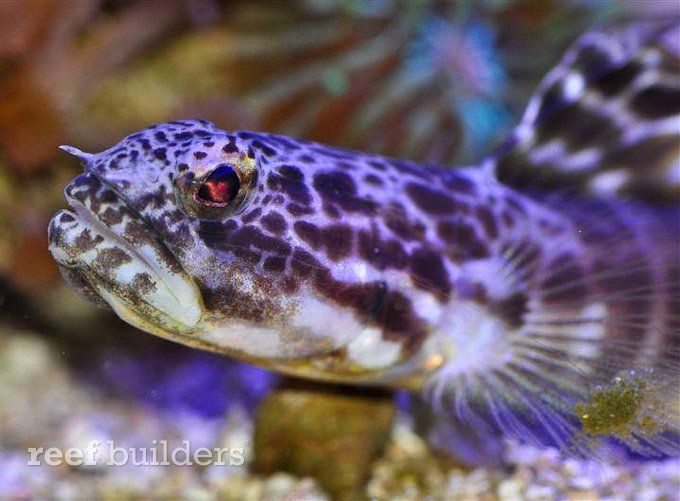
x: 220, y: 187
x: 219, y: 191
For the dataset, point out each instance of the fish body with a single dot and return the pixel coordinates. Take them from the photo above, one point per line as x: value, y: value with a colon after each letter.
x: 338, y: 264
x: 506, y: 292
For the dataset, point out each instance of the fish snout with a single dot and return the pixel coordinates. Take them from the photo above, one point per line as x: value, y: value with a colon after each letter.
x: 111, y: 256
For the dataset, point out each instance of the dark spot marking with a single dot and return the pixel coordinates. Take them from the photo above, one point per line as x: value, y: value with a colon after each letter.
x: 275, y: 264
x: 657, y: 101
x: 308, y: 233
x: 109, y: 259
x: 488, y: 221
x: 143, y: 284
x: 398, y: 222
x: 251, y: 216
x: 339, y: 188
x: 364, y: 299
x: 431, y: 201
x: 579, y: 127
x: 303, y: 263
x: 247, y: 135
x: 380, y: 253
x: 85, y: 241
x: 337, y: 240
x: 400, y: 323
x: 299, y: 210
x: 455, y: 231
x: 183, y: 136
x: 374, y: 180
x: 111, y: 216
x: 616, y: 81
x: 653, y: 151
x: 137, y: 234
x: 428, y: 272
x: 553, y: 101
x: 290, y: 180
x: 274, y: 223
x: 214, y: 233
x: 511, y: 309
x: 377, y: 165
x: 593, y: 62
x: 508, y: 219
x: 371, y: 301
x: 252, y: 236
x: 266, y: 150
x: 230, y: 147
x: 250, y: 256
x: 289, y: 285
x: 331, y: 211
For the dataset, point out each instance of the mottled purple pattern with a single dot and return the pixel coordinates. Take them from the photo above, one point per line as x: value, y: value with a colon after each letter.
x: 532, y: 278
x: 309, y: 211
x: 635, y: 64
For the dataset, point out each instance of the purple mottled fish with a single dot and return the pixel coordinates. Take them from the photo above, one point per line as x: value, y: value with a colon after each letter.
x: 537, y: 294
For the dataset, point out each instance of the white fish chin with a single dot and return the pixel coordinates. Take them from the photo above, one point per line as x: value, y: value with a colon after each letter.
x: 138, y: 277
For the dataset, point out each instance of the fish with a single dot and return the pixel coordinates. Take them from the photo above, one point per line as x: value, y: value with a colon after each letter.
x: 535, y: 294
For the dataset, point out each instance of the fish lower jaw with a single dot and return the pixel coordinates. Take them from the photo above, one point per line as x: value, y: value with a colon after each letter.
x: 150, y: 320
x: 135, y: 282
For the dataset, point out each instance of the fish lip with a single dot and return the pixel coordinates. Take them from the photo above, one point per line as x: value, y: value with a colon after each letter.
x: 181, y: 309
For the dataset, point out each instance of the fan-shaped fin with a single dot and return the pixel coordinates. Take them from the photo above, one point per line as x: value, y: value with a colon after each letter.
x: 605, y: 121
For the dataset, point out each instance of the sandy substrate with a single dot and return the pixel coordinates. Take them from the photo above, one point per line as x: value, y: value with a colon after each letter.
x: 42, y: 404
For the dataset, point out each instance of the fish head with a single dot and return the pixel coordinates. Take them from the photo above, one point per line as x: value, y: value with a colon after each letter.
x: 194, y: 234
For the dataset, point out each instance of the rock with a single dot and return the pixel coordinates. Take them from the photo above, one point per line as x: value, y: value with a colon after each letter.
x: 332, y: 434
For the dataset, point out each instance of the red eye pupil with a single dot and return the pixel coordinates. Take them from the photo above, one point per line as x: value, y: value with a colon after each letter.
x: 221, y: 186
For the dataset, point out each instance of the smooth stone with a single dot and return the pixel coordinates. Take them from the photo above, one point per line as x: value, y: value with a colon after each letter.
x: 333, y: 434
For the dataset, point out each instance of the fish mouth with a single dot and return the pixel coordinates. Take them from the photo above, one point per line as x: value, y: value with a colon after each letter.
x: 112, y: 256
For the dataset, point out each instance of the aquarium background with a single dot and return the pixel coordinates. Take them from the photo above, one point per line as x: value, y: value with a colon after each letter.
x: 429, y: 81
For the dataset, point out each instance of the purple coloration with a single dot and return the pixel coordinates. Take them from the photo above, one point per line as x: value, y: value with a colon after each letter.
x: 508, y: 293
x: 182, y: 380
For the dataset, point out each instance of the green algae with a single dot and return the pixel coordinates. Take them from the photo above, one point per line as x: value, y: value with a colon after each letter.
x: 621, y: 409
